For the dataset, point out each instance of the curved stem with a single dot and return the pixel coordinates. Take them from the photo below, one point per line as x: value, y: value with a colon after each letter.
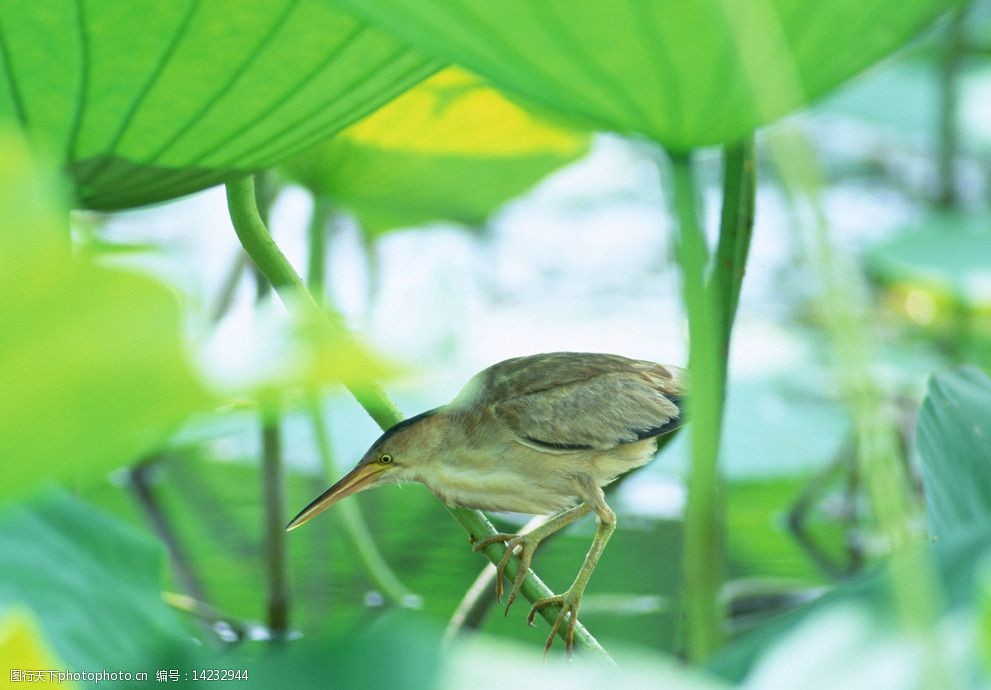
x: 356, y: 527
x: 272, y: 263
x: 481, y: 595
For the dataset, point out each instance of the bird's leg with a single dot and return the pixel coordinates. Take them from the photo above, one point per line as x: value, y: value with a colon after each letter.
x: 528, y: 544
x: 571, y: 599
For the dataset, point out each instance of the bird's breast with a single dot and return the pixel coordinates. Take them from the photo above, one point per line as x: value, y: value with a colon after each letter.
x: 502, y: 482
x: 514, y: 477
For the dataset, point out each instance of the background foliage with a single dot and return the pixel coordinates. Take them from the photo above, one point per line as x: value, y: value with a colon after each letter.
x: 157, y: 436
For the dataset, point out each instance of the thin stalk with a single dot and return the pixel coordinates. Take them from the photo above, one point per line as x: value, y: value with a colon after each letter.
x: 229, y: 629
x: 475, y: 606
x: 273, y: 496
x: 356, y: 527
x: 913, y: 579
x: 949, y: 102
x: 703, y: 566
x: 481, y: 595
x: 162, y: 527
x: 228, y: 288
x: 317, y: 238
x: 272, y: 263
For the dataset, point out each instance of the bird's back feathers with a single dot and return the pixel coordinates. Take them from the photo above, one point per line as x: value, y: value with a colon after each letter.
x: 572, y: 401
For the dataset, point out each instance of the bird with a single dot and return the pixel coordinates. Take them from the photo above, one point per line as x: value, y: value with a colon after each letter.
x: 539, y: 434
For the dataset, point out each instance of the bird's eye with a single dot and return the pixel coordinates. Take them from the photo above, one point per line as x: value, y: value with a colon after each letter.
x: 385, y: 459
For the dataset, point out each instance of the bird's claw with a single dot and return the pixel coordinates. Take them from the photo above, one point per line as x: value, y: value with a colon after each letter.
x: 527, y: 547
x: 486, y: 542
x: 568, y: 615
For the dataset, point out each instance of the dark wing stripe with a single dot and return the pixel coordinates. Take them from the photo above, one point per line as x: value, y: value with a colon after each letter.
x: 668, y: 426
x: 556, y: 446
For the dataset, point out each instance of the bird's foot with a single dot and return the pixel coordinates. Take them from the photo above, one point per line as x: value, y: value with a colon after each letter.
x: 527, y: 545
x: 568, y: 616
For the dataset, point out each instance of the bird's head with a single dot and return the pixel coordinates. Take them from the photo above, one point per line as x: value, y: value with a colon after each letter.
x: 395, y: 456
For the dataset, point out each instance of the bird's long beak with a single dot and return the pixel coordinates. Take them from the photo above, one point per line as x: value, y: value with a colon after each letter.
x: 361, y: 477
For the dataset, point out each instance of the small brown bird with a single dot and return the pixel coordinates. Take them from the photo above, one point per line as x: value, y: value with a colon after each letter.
x: 539, y: 434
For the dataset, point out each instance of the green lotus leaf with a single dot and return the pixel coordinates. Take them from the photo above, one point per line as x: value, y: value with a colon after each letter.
x: 451, y: 148
x: 686, y: 74
x: 148, y: 100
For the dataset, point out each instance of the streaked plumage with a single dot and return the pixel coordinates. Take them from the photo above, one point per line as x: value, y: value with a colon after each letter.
x: 536, y: 434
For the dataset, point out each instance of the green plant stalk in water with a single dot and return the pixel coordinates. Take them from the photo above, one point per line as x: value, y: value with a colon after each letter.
x: 710, y: 294
x: 272, y: 263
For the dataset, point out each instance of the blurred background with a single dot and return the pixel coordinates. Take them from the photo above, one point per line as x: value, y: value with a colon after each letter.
x: 467, y: 253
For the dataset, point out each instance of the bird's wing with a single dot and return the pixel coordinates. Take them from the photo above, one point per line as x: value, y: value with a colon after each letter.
x: 576, y: 401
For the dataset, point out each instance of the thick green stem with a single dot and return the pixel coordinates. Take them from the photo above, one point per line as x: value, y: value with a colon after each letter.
x: 703, y: 565
x: 272, y: 263
x: 257, y: 241
x: 735, y: 230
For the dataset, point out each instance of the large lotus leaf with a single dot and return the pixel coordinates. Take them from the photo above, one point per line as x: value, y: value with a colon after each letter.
x: 92, y: 366
x: 678, y: 72
x: 954, y: 440
x: 450, y: 148
x: 151, y: 99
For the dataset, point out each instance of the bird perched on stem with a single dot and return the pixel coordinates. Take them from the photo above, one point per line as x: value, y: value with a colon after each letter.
x: 540, y: 434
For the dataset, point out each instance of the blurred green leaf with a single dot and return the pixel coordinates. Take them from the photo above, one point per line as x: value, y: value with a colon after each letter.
x: 758, y: 539
x: 954, y: 441
x: 450, y: 148
x: 94, y: 585
x: 485, y: 664
x: 840, y: 646
x: 400, y: 653
x: 952, y: 430
x: 93, y: 582
x: 92, y: 367
x: 947, y: 255
x: 935, y: 278
x: 676, y: 72
x: 802, y: 426
x: 151, y: 99
x: 903, y: 96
